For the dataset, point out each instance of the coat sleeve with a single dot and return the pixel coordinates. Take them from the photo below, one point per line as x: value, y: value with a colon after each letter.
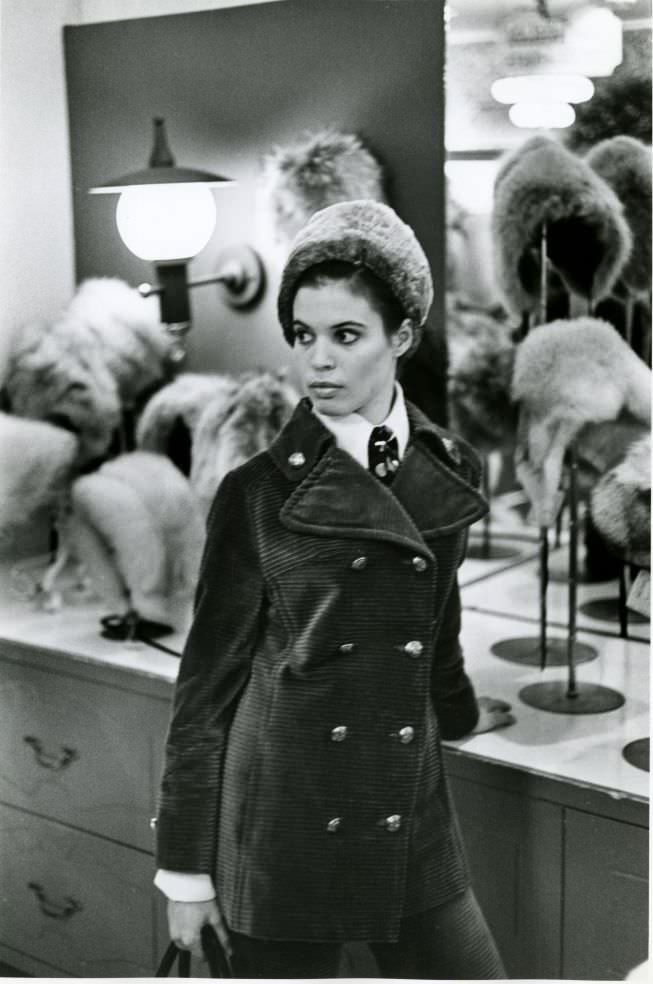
x: 214, y: 668
x: 452, y: 693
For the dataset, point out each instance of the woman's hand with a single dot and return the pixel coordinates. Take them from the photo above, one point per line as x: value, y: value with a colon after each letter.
x: 185, y: 920
x: 493, y: 714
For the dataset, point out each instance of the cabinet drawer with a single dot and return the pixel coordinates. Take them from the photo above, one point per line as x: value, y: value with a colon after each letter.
x: 75, y: 901
x: 84, y: 753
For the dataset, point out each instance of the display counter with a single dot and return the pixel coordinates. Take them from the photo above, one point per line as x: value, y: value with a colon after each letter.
x: 554, y: 819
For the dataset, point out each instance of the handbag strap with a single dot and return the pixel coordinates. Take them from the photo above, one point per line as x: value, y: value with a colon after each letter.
x: 217, y: 959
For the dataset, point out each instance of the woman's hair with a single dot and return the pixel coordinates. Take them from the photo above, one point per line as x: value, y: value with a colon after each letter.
x: 360, y: 280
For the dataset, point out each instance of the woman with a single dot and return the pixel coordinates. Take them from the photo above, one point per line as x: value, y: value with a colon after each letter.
x: 304, y: 801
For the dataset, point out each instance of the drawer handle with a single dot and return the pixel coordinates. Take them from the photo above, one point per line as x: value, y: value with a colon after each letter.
x: 55, y: 910
x: 49, y: 760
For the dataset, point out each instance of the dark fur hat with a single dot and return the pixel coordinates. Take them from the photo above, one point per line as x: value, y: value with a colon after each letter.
x: 625, y: 164
x: 368, y: 234
x: 588, y: 237
x: 621, y: 505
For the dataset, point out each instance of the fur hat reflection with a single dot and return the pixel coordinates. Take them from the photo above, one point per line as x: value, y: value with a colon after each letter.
x: 36, y: 461
x: 625, y: 164
x: 367, y: 234
x: 316, y: 171
x: 568, y: 374
x: 588, y: 238
x: 226, y: 420
x: 138, y: 530
x: 620, y: 505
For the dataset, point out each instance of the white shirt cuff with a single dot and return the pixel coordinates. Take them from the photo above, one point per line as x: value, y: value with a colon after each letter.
x: 181, y: 887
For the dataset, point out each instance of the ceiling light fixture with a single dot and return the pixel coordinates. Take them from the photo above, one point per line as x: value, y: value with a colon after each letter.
x: 542, y: 115
x: 542, y: 88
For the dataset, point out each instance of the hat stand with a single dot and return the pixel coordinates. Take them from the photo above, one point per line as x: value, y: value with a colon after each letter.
x: 541, y: 650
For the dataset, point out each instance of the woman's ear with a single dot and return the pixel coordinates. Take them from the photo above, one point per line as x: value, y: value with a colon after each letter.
x: 402, y: 338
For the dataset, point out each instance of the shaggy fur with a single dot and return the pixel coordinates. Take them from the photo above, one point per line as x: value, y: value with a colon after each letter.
x: 588, y: 238
x: 625, y: 164
x: 36, y: 460
x: 137, y: 527
x: 568, y: 374
x: 319, y: 170
x: 368, y: 234
x: 230, y: 432
x: 621, y: 505
x: 481, y: 357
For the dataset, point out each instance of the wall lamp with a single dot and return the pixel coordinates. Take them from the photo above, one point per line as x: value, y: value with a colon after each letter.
x: 167, y: 214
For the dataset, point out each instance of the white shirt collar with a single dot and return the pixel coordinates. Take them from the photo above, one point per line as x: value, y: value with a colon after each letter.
x: 352, y: 432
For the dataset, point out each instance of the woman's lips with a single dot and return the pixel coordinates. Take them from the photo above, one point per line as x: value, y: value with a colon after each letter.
x: 325, y: 390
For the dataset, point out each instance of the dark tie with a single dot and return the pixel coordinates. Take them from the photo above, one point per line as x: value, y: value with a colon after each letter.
x: 383, y: 453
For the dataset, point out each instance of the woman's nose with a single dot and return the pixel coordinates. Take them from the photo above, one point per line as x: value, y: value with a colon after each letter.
x: 322, y: 355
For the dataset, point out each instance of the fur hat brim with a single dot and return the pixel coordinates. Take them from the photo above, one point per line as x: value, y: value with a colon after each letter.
x: 588, y: 239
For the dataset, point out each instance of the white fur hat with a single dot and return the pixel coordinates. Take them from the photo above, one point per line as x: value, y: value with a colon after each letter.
x: 625, y: 164
x: 621, y: 505
x: 317, y: 170
x: 36, y: 461
x: 568, y: 374
x: 137, y: 527
x: 587, y: 235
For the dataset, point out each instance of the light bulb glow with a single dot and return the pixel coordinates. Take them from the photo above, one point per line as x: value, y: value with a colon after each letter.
x: 549, y: 116
x: 542, y: 88
x: 166, y: 222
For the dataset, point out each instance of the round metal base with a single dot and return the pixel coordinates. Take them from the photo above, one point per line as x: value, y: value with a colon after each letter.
x: 560, y: 575
x: 591, y: 698
x: 476, y: 550
x: 526, y: 650
x: 607, y: 610
x: 638, y: 753
x: 243, y: 275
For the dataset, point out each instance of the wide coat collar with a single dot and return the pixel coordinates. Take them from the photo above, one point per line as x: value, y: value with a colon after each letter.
x: 335, y: 496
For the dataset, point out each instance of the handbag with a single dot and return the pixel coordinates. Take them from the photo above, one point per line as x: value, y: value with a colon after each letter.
x: 217, y: 959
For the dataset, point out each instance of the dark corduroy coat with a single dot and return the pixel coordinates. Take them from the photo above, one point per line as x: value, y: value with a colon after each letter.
x: 304, y: 768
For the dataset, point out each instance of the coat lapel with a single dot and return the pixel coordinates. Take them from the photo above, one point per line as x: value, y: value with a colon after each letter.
x: 335, y: 496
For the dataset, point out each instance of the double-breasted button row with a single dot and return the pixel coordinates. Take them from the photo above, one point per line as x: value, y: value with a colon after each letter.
x: 391, y: 823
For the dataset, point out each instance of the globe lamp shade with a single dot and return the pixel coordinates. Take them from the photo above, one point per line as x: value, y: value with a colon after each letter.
x: 166, y: 222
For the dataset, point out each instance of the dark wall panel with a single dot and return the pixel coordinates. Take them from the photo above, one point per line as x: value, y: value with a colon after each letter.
x: 232, y: 83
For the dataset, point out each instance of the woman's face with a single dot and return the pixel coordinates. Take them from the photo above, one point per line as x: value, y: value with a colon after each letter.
x: 347, y: 362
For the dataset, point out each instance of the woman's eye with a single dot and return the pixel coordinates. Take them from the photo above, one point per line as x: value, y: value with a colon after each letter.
x: 303, y: 336
x: 347, y: 336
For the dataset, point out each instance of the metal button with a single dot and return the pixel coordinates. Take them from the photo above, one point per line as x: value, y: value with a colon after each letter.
x: 153, y: 822
x: 392, y: 823
x: 451, y: 449
x: 406, y: 734
x: 419, y: 564
x: 414, y: 648
x: 339, y: 733
x: 359, y: 564
x: 296, y: 459
x: 347, y: 648
x: 334, y: 825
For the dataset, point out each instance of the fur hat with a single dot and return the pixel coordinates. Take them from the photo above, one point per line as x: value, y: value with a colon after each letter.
x: 620, y: 505
x: 625, y: 164
x: 231, y: 431
x: 368, y: 234
x: 316, y: 171
x: 481, y: 357
x: 36, y: 459
x: 568, y: 374
x: 588, y: 239
x: 137, y: 528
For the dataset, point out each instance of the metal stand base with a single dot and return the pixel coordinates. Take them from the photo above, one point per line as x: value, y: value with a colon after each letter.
x: 495, y: 551
x: 607, y: 610
x: 526, y: 650
x: 638, y: 753
x: 591, y: 698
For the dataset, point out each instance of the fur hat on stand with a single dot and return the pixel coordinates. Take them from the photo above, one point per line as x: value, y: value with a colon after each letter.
x: 588, y: 238
x: 36, y: 461
x: 137, y: 528
x: 620, y: 505
x: 568, y: 374
x: 624, y: 163
x: 230, y: 432
x: 318, y: 170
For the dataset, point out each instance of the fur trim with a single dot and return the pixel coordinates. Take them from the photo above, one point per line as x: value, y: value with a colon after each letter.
x: 137, y: 527
x: 568, y: 374
x: 625, y: 164
x: 368, y: 234
x: 319, y: 170
x: 36, y: 459
x: 621, y: 505
x: 230, y: 432
x: 481, y: 357
x: 588, y: 238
